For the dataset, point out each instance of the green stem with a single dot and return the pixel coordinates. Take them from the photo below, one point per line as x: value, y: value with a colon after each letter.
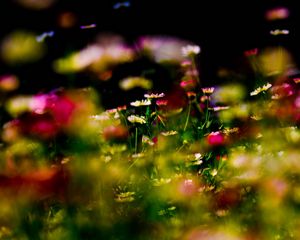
x: 188, y: 117
x: 206, y: 112
x: 136, y: 139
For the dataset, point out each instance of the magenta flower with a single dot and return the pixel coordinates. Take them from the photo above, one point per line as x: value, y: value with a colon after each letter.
x: 215, y: 139
x: 62, y: 108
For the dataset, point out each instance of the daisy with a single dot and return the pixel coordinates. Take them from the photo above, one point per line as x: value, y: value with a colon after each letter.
x: 136, y: 119
x: 146, y: 102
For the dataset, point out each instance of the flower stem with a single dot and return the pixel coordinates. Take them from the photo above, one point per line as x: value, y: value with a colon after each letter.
x: 136, y: 140
x: 188, y: 117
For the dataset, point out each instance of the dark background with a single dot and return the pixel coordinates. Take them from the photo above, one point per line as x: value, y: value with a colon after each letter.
x: 223, y: 29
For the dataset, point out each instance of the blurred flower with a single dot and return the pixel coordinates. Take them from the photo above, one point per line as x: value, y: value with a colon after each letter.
x: 251, y: 52
x: 204, y: 98
x: 11, y: 131
x: 18, y: 105
x: 96, y: 57
x: 36, y: 4
x: 187, y: 188
x: 67, y: 19
x: 169, y: 133
x: 190, y: 50
x: 37, y: 184
x: 9, y: 83
x: 42, y: 127
x: 78, y: 61
x: 61, y: 107
x: 277, y: 13
x: 191, y: 95
x: 188, y: 84
x: 275, y: 61
x: 163, y: 49
x: 279, y: 32
x: 39, y: 103
x: 112, y: 55
x: 296, y: 80
x: 208, y: 90
x: 147, y: 140
x: 122, y: 108
x: 161, y: 102
x: 231, y: 93
x: 228, y: 197
x: 186, y: 63
x: 141, y: 103
x: 275, y: 188
x: 220, y: 108
x: 214, y: 234
x: 133, y: 82
x: 21, y: 47
x: 237, y: 112
x: 136, y: 119
x: 281, y: 91
x: 115, y: 132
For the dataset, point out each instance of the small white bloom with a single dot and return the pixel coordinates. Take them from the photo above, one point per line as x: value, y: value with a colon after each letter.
x: 136, y: 119
x: 279, y: 32
x: 147, y: 140
x: 198, y: 156
x: 208, y: 90
x: 214, y: 172
x: 261, y: 89
x: 190, y: 50
x: 154, y: 95
x: 141, y: 103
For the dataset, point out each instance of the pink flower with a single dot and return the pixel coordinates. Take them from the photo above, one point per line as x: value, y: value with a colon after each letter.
x: 161, y: 102
x: 215, y: 139
x: 188, y: 84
